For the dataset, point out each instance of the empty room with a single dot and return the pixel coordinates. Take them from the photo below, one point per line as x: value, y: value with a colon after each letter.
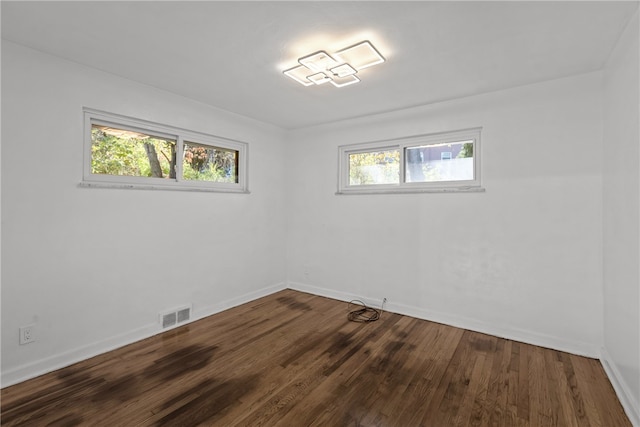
x: 320, y: 213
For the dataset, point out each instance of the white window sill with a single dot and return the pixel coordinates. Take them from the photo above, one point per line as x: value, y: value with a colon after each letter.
x: 85, y: 184
x: 406, y: 190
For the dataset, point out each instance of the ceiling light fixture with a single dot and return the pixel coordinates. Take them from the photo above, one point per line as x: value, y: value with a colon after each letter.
x: 319, y: 78
x: 340, y: 68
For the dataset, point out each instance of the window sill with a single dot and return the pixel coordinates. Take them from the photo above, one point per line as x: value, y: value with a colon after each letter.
x: 122, y: 186
x: 412, y: 190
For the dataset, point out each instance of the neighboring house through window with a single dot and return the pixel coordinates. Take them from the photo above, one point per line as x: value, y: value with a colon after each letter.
x: 448, y: 161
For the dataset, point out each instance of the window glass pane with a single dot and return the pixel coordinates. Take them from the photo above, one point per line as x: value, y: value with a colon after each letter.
x: 440, y: 162
x: 124, y: 152
x: 208, y: 163
x: 374, y: 167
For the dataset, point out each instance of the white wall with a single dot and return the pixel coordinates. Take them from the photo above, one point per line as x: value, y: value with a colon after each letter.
x: 621, y: 215
x: 92, y: 268
x: 522, y: 260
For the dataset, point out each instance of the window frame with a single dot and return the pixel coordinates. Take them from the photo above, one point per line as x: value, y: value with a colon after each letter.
x: 402, y: 144
x: 89, y: 179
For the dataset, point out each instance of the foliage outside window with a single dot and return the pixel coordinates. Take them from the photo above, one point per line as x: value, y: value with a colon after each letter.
x: 437, y: 162
x: 374, y: 167
x: 135, y: 153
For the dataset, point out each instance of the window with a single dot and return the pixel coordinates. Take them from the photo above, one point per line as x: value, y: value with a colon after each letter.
x: 438, y: 162
x: 374, y: 167
x: 125, y: 152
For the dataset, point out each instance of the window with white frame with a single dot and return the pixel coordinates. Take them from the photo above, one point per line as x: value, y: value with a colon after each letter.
x: 126, y: 152
x: 448, y: 161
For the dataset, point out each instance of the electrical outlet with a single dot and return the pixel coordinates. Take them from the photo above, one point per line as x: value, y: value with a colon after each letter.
x: 27, y: 334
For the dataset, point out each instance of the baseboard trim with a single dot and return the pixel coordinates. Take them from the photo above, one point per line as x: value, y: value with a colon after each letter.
x: 515, y: 334
x: 631, y: 407
x: 35, y: 369
x: 62, y: 360
x: 58, y: 361
x: 234, y: 302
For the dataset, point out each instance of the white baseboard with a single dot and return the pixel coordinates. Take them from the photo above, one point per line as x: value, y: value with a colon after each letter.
x: 502, y: 331
x: 61, y: 360
x: 629, y: 403
x: 234, y: 302
x: 40, y: 367
x: 329, y: 293
x: 67, y: 358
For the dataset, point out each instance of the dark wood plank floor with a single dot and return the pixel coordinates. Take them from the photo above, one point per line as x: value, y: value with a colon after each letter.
x: 293, y: 359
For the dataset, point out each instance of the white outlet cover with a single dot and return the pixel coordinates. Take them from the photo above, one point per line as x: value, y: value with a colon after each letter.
x: 27, y: 334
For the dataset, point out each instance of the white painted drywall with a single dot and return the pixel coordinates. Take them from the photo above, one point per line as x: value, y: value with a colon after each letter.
x: 522, y: 260
x: 92, y: 268
x: 621, y: 218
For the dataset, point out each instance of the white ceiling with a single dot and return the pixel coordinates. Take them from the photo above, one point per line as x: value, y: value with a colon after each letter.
x: 231, y: 54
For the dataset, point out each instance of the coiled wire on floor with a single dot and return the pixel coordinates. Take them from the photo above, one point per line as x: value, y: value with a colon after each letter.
x: 364, y: 314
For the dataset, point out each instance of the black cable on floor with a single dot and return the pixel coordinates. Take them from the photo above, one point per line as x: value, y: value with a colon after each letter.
x: 364, y: 314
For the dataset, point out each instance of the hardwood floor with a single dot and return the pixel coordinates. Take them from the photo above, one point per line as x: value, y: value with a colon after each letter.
x: 293, y: 359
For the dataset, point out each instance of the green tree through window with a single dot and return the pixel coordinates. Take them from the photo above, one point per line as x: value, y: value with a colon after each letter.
x: 124, y: 153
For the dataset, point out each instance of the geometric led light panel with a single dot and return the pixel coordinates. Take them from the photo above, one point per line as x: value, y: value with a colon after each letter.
x: 344, y: 81
x: 343, y: 70
x: 340, y: 68
x: 299, y: 74
x: 319, y: 78
x: 360, y: 56
x: 319, y: 61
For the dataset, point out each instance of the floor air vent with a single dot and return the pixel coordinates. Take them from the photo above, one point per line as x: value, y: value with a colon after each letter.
x: 168, y: 320
x: 175, y: 317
